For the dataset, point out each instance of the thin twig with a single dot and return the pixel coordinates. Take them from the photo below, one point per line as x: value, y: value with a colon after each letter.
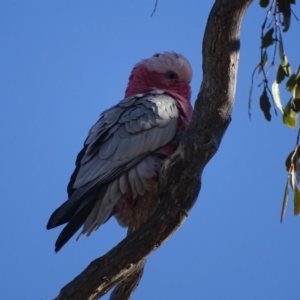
x: 154, y: 10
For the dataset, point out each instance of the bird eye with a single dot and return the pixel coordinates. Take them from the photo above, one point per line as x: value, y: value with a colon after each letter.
x: 171, y: 75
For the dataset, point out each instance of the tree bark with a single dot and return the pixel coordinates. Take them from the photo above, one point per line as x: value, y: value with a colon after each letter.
x: 180, y: 177
x: 142, y: 211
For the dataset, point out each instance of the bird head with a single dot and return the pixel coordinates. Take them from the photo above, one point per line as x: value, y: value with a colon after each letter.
x: 167, y: 71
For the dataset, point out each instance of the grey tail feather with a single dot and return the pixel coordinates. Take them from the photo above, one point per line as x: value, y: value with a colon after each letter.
x: 62, y: 215
x: 75, y: 223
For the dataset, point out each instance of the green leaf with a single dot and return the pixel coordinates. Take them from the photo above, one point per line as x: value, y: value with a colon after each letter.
x: 267, y: 39
x: 286, y: 22
x: 296, y: 98
x: 285, y: 201
x: 281, y: 50
x: 287, y: 13
x: 284, y: 7
x: 284, y: 69
x: 276, y: 96
x: 296, y: 91
x: 288, y: 161
x: 289, y: 121
x: 280, y: 74
x: 296, y: 201
x: 286, y: 66
x: 289, y: 116
x: 282, y: 4
x: 263, y: 61
x: 291, y: 82
x: 293, y: 180
x: 295, y: 154
x: 264, y: 3
x: 265, y: 104
x: 296, y: 105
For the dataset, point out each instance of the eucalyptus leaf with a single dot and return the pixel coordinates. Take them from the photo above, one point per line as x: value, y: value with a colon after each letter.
x: 296, y: 105
x: 296, y: 91
x: 276, y: 96
x: 267, y: 39
x: 288, y: 161
x: 291, y: 82
x: 296, y: 201
x: 280, y: 74
x: 264, y: 3
x: 285, y: 200
x: 295, y: 154
x: 293, y: 180
x: 265, y: 104
x: 289, y: 116
x: 281, y: 50
x: 284, y: 7
x: 286, y: 66
x: 286, y: 22
x: 289, y: 121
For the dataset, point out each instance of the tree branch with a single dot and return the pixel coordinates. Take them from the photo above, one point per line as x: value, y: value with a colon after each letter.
x: 142, y: 211
x: 179, y: 182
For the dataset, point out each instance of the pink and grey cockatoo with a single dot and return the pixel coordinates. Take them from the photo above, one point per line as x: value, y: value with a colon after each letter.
x: 127, y: 146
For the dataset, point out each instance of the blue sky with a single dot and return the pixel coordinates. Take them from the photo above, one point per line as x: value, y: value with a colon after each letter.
x: 64, y: 62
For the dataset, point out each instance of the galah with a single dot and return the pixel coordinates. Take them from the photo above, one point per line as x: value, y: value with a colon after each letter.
x: 126, y: 147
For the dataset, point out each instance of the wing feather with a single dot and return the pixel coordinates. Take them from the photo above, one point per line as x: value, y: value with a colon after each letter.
x: 124, y: 135
x: 128, y: 140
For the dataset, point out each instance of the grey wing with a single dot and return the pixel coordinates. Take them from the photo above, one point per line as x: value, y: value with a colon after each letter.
x: 123, y: 136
